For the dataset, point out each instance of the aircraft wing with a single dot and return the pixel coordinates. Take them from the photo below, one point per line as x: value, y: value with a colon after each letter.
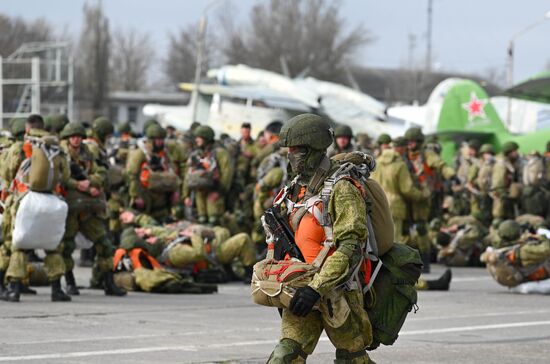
x: 536, y: 88
x: 271, y: 98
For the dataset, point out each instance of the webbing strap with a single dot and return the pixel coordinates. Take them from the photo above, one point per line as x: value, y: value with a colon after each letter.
x: 318, y: 177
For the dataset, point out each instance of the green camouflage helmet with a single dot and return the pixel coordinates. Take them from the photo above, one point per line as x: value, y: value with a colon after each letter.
x: 474, y: 144
x: 102, y: 127
x: 307, y: 130
x: 72, y: 129
x: 487, y: 148
x: 383, y: 139
x: 205, y: 132
x: 147, y: 124
x: 399, y: 142
x: 17, y: 127
x: 509, y: 146
x: 496, y: 223
x: 155, y: 131
x: 343, y: 131
x: 125, y: 128
x: 57, y: 123
x: 509, y: 230
x: 414, y: 134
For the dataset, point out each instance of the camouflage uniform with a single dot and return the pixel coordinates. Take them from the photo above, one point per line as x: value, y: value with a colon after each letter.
x: 479, y: 184
x: 341, y: 131
x: 505, y: 184
x: 210, y: 202
x: 155, y: 204
x: 350, y: 330
x: 14, y: 261
x: 401, y: 189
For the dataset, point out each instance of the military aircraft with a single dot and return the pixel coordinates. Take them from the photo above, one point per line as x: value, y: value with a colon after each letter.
x: 459, y: 110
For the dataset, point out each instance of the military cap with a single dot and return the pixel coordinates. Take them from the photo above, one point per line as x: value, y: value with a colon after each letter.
x: 307, y: 130
x: 155, y: 131
x: 487, y: 148
x: 343, y: 131
x: 384, y: 139
x: 205, y: 132
x: 509, y: 146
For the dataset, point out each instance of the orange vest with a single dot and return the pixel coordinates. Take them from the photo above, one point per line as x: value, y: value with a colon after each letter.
x: 136, y: 255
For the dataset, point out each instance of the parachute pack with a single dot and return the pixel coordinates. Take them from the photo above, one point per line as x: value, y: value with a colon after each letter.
x: 41, y: 170
x: 203, y: 171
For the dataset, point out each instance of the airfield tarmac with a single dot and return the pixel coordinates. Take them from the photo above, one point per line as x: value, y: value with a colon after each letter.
x: 477, y: 321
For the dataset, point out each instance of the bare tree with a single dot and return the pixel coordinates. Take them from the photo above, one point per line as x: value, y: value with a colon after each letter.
x: 131, y: 60
x: 16, y: 31
x: 92, y: 57
x: 179, y: 66
x: 308, y: 34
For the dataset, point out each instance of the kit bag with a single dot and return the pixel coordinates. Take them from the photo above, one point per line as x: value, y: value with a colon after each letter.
x: 39, y: 221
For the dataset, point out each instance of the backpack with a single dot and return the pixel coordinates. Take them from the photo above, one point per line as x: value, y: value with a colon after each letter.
x: 156, y: 173
x: 203, y: 171
x: 393, y: 295
x: 41, y: 170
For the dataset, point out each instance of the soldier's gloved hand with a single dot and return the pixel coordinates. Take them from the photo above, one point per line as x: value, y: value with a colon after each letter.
x: 303, y: 301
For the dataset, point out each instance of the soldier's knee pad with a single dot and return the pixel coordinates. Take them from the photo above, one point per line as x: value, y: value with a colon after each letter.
x: 357, y: 357
x: 287, y: 351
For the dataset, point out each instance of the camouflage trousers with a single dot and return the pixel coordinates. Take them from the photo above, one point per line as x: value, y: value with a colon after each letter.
x: 210, y: 207
x: 350, y: 333
x: 94, y: 228
x: 225, y: 248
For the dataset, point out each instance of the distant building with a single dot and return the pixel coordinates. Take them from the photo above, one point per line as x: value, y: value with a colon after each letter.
x: 127, y: 106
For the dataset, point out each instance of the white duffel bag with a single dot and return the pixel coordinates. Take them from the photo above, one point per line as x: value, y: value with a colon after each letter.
x: 39, y: 221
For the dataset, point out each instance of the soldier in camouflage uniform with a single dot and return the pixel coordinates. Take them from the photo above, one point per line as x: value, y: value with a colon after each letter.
x: 151, y: 156
x: 13, y: 265
x: 208, y: 177
x: 479, y: 184
x: 427, y: 167
x: 402, y: 190
x: 308, y: 137
x: 506, y: 182
x: 342, y: 141
x: 85, y: 189
x: 382, y: 143
x: 535, y: 195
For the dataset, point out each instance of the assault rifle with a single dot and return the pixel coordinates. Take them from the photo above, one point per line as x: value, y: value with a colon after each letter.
x: 277, y: 230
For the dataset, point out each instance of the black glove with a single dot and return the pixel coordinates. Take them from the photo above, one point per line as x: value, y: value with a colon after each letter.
x: 303, y: 301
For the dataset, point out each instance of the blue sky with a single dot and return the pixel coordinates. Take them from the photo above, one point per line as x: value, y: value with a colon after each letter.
x: 468, y: 35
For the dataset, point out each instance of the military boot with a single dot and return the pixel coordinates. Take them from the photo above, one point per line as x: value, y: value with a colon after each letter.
x: 426, y: 256
x: 441, y: 284
x: 111, y: 289
x: 57, y: 293
x: 72, y: 289
x: 248, y: 270
x: 13, y: 293
x: 2, y: 285
x: 25, y: 289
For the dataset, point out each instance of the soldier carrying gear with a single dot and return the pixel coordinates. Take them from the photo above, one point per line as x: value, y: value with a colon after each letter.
x: 26, y: 168
x: 506, y: 182
x: 479, y: 184
x: 428, y: 168
x: 153, y: 183
x: 308, y: 136
x: 87, y: 209
x: 342, y: 141
x: 382, y: 143
x: 208, y: 177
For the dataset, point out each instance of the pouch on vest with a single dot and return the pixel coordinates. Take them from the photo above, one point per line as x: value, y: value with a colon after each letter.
x: 163, y: 181
x: 82, y: 202
x: 275, y: 282
x: 393, y: 294
x: 203, y: 173
x: 39, y: 221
